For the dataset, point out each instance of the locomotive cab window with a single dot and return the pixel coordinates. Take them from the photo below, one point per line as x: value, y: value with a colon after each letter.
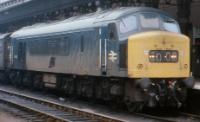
x: 112, y: 32
x: 128, y: 24
x: 149, y: 21
x: 170, y: 25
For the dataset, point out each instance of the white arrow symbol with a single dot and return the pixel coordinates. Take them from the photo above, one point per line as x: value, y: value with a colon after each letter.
x: 112, y: 56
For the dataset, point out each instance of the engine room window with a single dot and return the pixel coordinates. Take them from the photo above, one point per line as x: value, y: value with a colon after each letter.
x: 49, y: 46
x: 170, y: 25
x: 82, y: 43
x: 128, y: 24
x: 149, y: 20
x: 63, y: 46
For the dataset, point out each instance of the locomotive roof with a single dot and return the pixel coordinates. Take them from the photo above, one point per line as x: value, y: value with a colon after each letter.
x: 2, y: 36
x: 79, y: 22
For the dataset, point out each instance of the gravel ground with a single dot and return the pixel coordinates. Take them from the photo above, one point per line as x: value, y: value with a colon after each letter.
x: 6, y: 117
x: 86, y: 106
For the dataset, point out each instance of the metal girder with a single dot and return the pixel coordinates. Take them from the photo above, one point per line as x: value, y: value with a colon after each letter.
x: 183, y: 14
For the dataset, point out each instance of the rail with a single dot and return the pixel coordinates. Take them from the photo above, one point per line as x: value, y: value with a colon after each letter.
x: 52, y: 110
x: 48, y: 110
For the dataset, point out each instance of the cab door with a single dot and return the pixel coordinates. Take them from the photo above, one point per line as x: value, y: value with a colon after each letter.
x: 108, y: 50
x: 103, y: 39
x: 21, y: 55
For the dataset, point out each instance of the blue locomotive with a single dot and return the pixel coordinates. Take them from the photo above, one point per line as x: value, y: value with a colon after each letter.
x: 135, y: 56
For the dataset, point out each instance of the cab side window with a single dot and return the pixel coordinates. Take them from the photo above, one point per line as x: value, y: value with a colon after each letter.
x: 112, y: 31
x: 128, y: 24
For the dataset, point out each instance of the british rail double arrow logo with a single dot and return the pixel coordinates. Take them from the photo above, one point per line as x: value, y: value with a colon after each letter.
x: 112, y: 56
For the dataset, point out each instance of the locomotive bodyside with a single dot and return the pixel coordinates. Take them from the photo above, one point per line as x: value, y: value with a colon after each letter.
x: 109, y: 55
x: 5, y: 48
x: 2, y: 41
x: 65, y: 53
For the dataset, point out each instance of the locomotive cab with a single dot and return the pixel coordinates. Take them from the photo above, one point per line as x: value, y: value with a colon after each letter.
x: 158, y: 47
x: 157, y: 54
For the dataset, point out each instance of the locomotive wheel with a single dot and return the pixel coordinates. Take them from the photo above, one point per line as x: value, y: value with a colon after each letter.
x: 17, y: 81
x: 181, y: 94
x: 135, y: 107
x: 37, y: 82
x: 2, y: 78
x: 116, y: 103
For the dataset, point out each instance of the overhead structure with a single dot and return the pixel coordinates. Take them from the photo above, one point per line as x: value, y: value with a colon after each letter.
x: 21, y: 10
x: 15, y: 14
x: 183, y: 14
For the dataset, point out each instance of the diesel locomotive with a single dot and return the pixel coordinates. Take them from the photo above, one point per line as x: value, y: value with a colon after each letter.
x: 135, y: 56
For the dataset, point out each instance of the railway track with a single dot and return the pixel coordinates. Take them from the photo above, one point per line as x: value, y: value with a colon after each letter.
x: 20, y: 114
x: 51, y: 111
x: 180, y: 117
x: 190, y: 115
x: 45, y: 110
x: 162, y: 119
